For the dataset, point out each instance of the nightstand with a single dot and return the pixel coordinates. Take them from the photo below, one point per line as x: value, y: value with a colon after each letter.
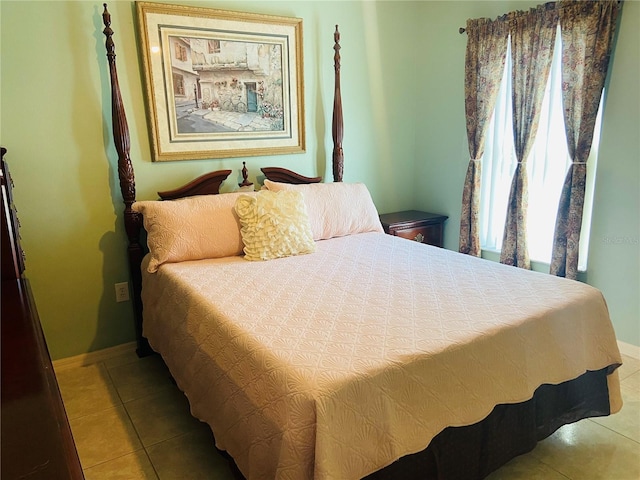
x: 423, y: 227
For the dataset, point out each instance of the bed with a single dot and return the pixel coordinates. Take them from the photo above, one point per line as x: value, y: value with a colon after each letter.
x: 352, y: 354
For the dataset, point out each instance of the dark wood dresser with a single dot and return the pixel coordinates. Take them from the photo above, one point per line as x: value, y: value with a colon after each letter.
x: 36, y: 441
x: 423, y: 227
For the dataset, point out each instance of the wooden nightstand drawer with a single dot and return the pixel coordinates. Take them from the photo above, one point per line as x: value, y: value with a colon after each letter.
x: 430, y: 234
x: 423, y: 227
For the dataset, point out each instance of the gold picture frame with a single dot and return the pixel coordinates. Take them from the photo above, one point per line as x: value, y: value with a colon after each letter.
x: 221, y: 83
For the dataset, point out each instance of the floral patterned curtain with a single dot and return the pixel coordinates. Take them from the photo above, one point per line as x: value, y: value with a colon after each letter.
x: 484, y: 65
x: 533, y: 35
x: 588, y: 29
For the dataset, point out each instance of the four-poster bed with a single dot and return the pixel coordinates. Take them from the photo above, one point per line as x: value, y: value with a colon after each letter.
x: 336, y: 364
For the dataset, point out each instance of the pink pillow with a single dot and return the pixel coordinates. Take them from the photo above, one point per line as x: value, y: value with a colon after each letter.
x: 192, y: 228
x: 336, y: 209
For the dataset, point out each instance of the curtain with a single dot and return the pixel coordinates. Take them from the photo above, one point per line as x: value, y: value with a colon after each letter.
x: 547, y: 167
x: 532, y: 39
x: 484, y: 64
x: 588, y: 29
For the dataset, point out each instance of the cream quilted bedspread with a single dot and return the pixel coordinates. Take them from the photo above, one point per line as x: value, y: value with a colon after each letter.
x: 335, y: 364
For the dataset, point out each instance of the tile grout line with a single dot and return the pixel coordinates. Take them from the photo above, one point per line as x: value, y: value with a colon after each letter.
x: 125, y: 409
x: 550, y: 467
x: 135, y: 429
x: 111, y: 459
x: 122, y: 403
x: 612, y: 430
x: 104, y: 409
x: 626, y: 377
x: 539, y: 459
x: 114, y: 385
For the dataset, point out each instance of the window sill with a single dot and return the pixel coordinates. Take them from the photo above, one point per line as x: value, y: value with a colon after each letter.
x: 536, y: 266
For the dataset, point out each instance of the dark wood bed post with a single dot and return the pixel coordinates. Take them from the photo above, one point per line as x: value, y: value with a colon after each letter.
x: 132, y: 220
x: 337, y: 125
x: 206, y: 184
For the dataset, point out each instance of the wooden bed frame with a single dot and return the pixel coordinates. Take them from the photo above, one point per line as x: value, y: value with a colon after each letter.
x: 206, y: 184
x: 509, y: 431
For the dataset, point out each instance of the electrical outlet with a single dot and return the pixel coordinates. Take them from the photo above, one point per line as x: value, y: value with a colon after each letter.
x: 122, y: 292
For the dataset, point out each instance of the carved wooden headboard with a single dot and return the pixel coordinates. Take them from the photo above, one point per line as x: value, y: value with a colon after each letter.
x: 205, y: 184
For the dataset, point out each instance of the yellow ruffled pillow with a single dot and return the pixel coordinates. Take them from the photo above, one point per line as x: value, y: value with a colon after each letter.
x: 274, y: 225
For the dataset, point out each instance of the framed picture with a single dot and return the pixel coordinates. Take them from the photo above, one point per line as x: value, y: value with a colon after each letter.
x: 220, y: 83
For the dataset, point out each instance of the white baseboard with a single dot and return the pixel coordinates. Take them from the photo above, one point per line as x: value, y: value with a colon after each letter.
x: 630, y: 350
x: 90, y: 358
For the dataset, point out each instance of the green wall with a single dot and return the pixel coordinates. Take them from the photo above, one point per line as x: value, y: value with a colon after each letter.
x: 56, y: 125
x: 442, y: 154
x: 402, y: 73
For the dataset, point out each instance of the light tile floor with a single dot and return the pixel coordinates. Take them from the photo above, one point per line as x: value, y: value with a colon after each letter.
x: 129, y: 421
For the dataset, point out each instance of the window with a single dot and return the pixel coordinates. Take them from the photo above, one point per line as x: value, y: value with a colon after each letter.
x: 547, y: 167
x: 178, y: 84
x: 181, y: 52
x: 214, y: 46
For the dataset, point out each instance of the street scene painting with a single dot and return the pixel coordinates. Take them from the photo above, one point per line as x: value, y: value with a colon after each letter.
x: 224, y: 85
x: 220, y: 83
